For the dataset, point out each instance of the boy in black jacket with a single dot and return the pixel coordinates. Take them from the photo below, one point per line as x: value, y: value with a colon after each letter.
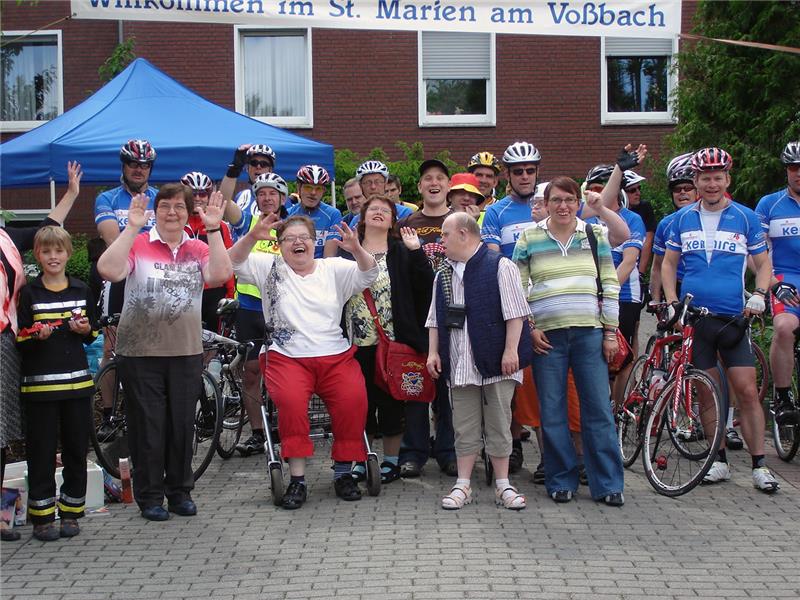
x: 56, y: 318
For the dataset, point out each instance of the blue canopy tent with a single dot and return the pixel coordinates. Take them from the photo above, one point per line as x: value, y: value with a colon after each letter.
x: 188, y: 132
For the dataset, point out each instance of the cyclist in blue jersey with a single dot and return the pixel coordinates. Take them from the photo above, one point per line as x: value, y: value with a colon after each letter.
x: 373, y: 176
x: 257, y: 159
x: 714, y: 237
x: 269, y: 190
x: 311, y: 182
x: 780, y: 217
x: 680, y: 180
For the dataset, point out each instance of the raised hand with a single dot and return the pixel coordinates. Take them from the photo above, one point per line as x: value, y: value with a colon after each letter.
x: 212, y: 213
x: 592, y: 199
x: 74, y: 174
x: 137, y: 211
x: 263, y: 229
x: 473, y: 210
x: 349, y: 239
x: 410, y: 238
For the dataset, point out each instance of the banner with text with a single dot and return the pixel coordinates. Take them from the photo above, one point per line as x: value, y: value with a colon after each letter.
x: 623, y: 18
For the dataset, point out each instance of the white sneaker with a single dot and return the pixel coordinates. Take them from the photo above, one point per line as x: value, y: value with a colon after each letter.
x: 764, y: 481
x: 719, y: 471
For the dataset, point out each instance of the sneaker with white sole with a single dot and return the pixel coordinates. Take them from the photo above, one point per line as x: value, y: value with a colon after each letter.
x: 764, y: 481
x: 719, y: 471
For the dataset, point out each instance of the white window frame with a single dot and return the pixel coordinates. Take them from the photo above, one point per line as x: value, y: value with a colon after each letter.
x: 637, y: 118
x: 487, y: 120
x: 22, y: 126
x: 304, y: 122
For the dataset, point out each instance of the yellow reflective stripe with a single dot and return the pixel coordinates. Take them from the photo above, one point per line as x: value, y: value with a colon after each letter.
x: 62, y: 387
x: 51, y: 316
x: 264, y: 246
x: 72, y: 509
x: 36, y: 512
x: 24, y: 338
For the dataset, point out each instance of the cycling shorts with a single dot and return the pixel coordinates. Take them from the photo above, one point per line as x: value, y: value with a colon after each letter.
x: 250, y: 328
x: 706, y: 346
x: 779, y: 307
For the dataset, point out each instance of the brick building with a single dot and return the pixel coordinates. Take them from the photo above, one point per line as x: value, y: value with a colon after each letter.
x: 578, y: 99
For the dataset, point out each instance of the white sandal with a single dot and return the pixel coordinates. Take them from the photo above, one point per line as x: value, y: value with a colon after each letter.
x: 458, y: 497
x: 509, y: 498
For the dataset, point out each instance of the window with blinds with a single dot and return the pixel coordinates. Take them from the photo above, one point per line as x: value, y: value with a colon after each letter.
x: 456, y: 78
x: 637, y: 80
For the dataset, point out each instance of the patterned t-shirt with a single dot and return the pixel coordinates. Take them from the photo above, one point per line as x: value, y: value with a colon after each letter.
x: 360, y: 324
x: 163, y: 296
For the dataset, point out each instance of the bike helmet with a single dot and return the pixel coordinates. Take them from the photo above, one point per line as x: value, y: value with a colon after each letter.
x: 270, y: 180
x: 137, y: 151
x: 629, y: 178
x: 262, y: 150
x: 711, y: 159
x: 484, y: 159
x: 680, y: 169
x: 199, y: 182
x: 791, y: 154
x: 372, y: 166
x: 521, y: 152
x: 599, y: 174
x: 313, y: 174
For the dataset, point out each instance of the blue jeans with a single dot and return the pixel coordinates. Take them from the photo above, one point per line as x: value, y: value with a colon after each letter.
x: 416, y: 445
x: 578, y: 348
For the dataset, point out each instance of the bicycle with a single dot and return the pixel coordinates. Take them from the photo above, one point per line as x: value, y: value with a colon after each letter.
x: 684, y: 429
x: 787, y: 436
x: 109, y: 435
x: 227, y: 368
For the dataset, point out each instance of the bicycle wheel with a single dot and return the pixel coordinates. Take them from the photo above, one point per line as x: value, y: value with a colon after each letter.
x: 207, y: 425
x: 787, y: 437
x: 762, y: 372
x: 682, y: 435
x: 628, y: 417
x: 232, y: 411
x: 109, y: 435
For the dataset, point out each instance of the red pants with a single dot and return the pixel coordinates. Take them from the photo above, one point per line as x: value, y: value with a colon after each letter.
x: 338, y: 381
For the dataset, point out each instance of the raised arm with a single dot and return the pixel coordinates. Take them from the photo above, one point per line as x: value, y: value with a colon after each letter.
x: 218, y: 268
x: 61, y: 210
x: 113, y: 263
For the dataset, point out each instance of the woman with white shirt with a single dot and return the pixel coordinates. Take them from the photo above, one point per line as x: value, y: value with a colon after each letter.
x: 302, y: 298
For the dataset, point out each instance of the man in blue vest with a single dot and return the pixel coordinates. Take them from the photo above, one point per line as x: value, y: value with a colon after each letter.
x: 479, y: 342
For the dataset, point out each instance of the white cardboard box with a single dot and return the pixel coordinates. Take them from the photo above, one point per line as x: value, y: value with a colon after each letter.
x: 16, y: 476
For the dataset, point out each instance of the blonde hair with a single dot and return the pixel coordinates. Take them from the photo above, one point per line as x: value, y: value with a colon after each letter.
x: 49, y: 236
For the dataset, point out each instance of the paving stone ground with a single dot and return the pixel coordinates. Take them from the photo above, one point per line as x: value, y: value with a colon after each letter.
x: 724, y: 541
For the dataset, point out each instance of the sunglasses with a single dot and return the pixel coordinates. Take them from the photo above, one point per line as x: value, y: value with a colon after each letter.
x: 139, y: 165
x: 200, y: 193
x: 520, y: 171
x: 683, y: 189
x: 260, y: 163
x: 633, y: 190
x: 793, y: 168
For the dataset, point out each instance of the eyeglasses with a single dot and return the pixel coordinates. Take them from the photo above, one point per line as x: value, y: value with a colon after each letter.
x: 200, y: 193
x: 260, y: 163
x: 571, y: 201
x: 144, y: 166
x: 167, y: 208
x: 520, y: 171
x: 633, y: 190
x: 380, y: 209
x: 303, y: 237
x: 683, y: 189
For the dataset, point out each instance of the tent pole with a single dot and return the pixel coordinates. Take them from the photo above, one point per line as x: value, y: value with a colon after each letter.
x: 52, y: 193
x: 333, y: 193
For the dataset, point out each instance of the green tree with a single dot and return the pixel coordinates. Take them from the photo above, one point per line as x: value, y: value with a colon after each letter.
x: 745, y: 100
x: 122, y: 55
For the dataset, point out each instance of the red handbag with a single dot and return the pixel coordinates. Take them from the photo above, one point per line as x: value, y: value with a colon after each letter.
x: 400, y: 370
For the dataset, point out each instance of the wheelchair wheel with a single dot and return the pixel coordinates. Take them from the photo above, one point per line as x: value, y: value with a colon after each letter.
x: 276, y: 485
x: 373, y: 475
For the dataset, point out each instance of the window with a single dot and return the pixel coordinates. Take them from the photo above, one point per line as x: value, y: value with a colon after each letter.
x: 32, y: 88
x: 273, y: 76
x: 456, y: 79
x: 637, y: 80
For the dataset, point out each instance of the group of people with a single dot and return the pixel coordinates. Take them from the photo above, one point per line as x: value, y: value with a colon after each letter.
x: 516, y: 301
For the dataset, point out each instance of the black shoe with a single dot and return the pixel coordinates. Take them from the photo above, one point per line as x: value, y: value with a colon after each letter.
x: 538, y: 474
x: 450, y: 469
x: 155, y: 513
x: 252, y: 445
x: 410, y: 469
x: 786, y: 413
x: 69, y: 528
x: 9, y: 535
x: 582, y: 477
x: 347, y: 488
x: 187, y: 508
x: 616, y: 499
x: 294, y: 496
x: 515, y: 459
x: 561, y: 496
x: 46, y: 533
x: 732, y: 440
x: 391, y: 472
